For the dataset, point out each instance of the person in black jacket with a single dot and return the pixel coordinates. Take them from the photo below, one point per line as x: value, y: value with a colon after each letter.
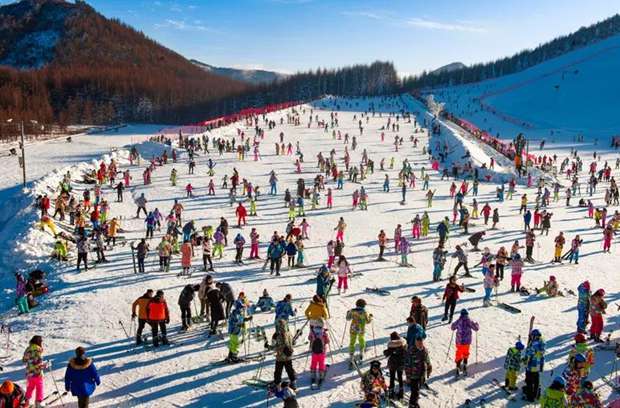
x: 396, y: 351
x: 227, y: 295
x: 185, y: 300
x: 214, y: 297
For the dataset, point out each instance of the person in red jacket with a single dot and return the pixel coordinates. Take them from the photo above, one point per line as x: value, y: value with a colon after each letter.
x: 450, y: 296
x: 241, y: 213
x: 11, y: 395
x: 486, y: 212
x: 158, y: 316
x: 45, y: 205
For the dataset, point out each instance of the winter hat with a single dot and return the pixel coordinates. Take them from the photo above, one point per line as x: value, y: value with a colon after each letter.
x: 586, y: 285
x: 600, y: 292
x: 464, y: 312
x: 519, y: 345
x: 580, y: 338
x: 375, y: 364
x: 360, y: 303
x: 552, y: 278
x: 535, y: 333
x: 394, y: 336
x: 7, y: 388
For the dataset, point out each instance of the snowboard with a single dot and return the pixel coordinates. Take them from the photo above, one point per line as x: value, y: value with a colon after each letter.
x: 509, y: 308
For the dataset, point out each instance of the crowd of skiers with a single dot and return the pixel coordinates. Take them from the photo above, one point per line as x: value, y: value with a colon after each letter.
x: 92, y: 228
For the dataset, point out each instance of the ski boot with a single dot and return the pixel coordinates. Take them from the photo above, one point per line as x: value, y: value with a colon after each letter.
x: 351, y: 361
x: 464, y: 367
x: 458, y: 369
x: 312, y: 380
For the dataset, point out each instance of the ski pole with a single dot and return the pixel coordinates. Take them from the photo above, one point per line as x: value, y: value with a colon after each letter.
x: 55, y: 384
x: 374, y: 340
x: 476, y: 348
x: 449, y: 346
x: 123, y: 327
x: 344, y: 332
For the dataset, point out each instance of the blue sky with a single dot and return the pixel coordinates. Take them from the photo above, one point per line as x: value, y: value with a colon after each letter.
x: 293, y: 35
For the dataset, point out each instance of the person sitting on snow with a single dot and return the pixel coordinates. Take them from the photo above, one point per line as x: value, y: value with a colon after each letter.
x: 265, y: 303
x: 551, y: 287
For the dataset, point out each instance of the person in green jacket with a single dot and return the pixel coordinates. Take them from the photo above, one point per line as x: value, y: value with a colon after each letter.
x: 555, y: 395
x: 512, y: 365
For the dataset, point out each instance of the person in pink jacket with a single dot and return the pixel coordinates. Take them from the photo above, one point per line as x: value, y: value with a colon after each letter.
x: 187, y: 252
x: 343, y: 273
x: 331, y: 247
x: 517, y: 270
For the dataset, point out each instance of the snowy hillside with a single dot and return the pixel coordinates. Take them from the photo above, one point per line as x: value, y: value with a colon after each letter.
x: 87, y: 308
x: 574, y: 94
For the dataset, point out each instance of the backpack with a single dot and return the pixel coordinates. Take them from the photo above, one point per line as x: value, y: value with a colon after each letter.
x: 317, y: 346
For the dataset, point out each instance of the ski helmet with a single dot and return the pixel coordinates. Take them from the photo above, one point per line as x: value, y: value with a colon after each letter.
x: 375, y: 364
x: 519, y: 345
x: 464, y: 312
x: 535, y: 333
x: 580, y: 358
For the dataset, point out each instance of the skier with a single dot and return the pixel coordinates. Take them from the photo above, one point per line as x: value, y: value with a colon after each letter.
x: 382, y: 240
x: 534, y: 363
x: 395, y: 352
x: 462, y: 258
x: 11, y: 395
x: 418, y: 312
x: 344, y: 271
x: 319, y: 340
x: 81, y: 377
x: 439, y: 260
x: 418, y: 368
x: 559, y: 244
x: 284, y: 310
x: 236, y: 328
x: 450, y: 296
x: 282, y: 344
x: 555, y: 395
x: 140, y: 304
x: 512, y: 365
x: 373, y: 381
x: 158, y: 317
x: 463, y: 326
x: 33, y: 358
x: 185, y: 299
x: 583, y: 306
x: 597, y: 309
x: 187, y: 253
x: 516, y: 265
x: 239, y: 242
x: 359, y: 317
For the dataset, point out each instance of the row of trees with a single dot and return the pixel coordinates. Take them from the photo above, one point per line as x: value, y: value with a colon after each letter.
x: 520, y: 61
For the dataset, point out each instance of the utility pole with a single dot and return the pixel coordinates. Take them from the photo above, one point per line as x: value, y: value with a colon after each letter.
x: 23, y: 154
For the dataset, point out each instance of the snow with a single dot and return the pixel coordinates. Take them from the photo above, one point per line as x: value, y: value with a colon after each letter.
x: 573, y: 94
x: 85, y: 308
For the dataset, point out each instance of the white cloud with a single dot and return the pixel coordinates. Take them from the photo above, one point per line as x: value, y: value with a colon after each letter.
x: 183, y: 25
x: 367, y: 14
x: 437, y: 25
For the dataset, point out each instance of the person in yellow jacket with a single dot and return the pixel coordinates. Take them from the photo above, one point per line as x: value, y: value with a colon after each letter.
x: 60, y: 250
x: 359, y: 317
x: 46, y: 221
x: 113, y: 228
x: 316, y: 310
x: 555, y: 395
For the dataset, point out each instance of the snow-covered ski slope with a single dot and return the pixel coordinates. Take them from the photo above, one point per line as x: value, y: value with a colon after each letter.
x: 85, y: 308
x: 576, y: 93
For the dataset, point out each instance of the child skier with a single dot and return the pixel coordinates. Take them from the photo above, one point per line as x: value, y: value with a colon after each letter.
x: 512, y: 365
x: 319, y: 340
x: 464, y: 327
x: 396, y: 352
x: 359, y: 317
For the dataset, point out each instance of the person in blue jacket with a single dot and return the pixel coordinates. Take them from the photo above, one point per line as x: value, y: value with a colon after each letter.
x: 284, y: 309
x: 81, y: 377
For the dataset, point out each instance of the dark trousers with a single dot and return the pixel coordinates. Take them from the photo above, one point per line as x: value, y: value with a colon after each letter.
x: 207, y: 258
x: 229, y: 304
x: 82, y: 257
x: 83, y: 401
x: 449, y: 306
x: 138, y: 212
x: 499, y: 268
x: 290, y: 372
x: 529, y: 250
x: 214, y: 326
x: 416, y: 383
x: 532, y: 385
x: 140, y: 264
x: 149, y: 232
x: 381, y: 251
x: 238, y: 254
x: 458, y: 266
x: 161, y: 327
x: 275, y: 264
x: 186, y: 316
x: 396, y: 374
x: 119, y: 196
x: 141, y: 324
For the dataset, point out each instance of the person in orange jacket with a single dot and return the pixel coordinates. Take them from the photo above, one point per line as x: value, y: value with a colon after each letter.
x: 158, y: 317
x: 140, y: 304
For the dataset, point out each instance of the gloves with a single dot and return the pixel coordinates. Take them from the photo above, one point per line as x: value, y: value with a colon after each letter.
x: 167, y: 321
x: 266, y: 345
x: 133, y: 316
